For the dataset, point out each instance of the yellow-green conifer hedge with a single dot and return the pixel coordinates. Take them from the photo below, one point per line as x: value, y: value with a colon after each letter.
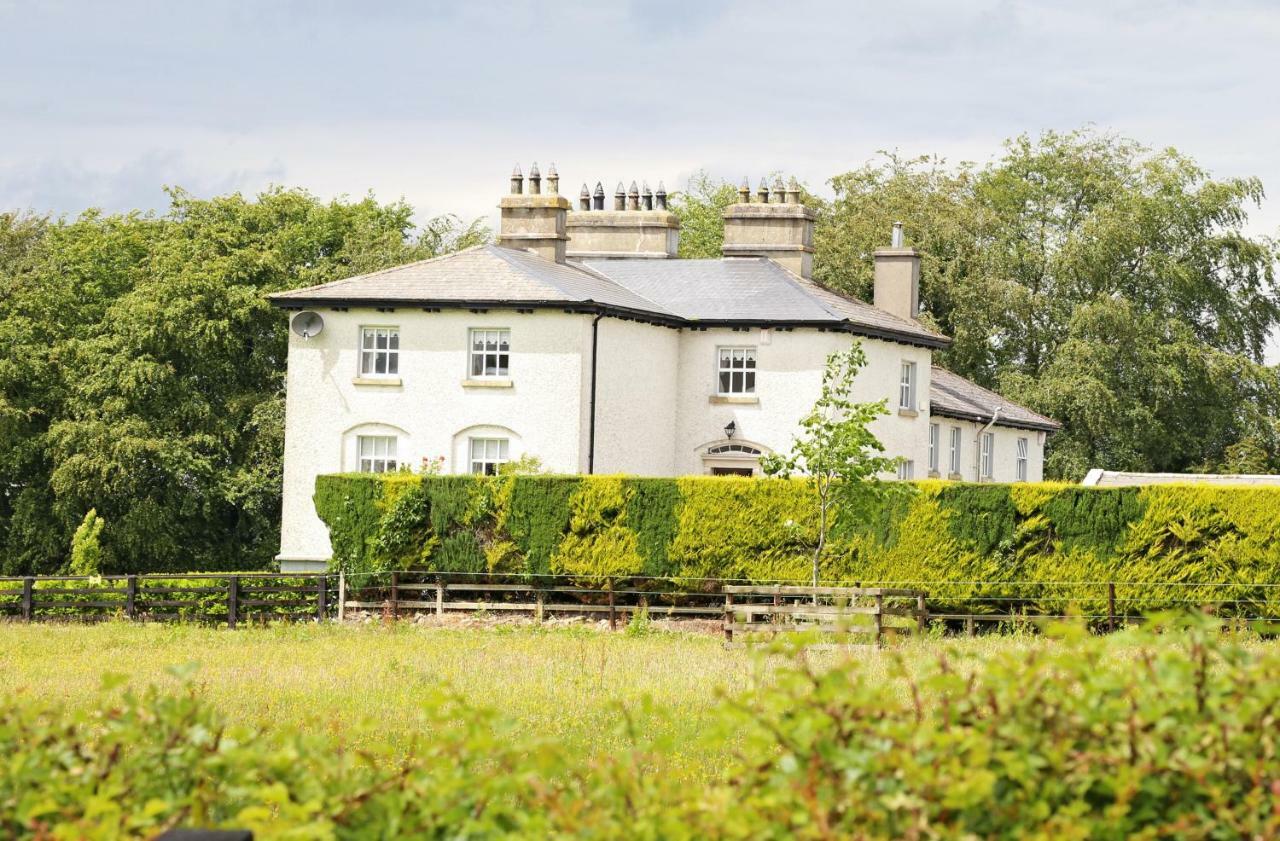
x: 1047, y: 545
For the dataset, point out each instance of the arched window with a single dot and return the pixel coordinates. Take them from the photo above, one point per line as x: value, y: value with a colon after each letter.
x: 739, y: 449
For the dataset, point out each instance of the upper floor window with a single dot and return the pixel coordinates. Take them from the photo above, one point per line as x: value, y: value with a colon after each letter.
x: 988, y: 454
x: 955, y: 451
x: 906, y: 469
x: 490, y: 353
x: 737, y: 370
x: 1022, y: 459
x: 935, y: 440
x: 379, y: 351
x: 907, y: 387
x: 377, y: 453
x: 488, y: 454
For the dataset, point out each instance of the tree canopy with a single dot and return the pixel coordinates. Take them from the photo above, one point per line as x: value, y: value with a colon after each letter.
x: 1109, y: 285
x: 143, y: 369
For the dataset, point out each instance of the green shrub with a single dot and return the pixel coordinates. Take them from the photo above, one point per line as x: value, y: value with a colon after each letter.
x: 1155, y: 541
x: 1144, y: 734
x: 86, y: 545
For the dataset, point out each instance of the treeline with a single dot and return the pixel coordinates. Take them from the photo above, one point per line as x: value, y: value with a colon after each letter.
x: 1105, y: 284
x: 142, y: 370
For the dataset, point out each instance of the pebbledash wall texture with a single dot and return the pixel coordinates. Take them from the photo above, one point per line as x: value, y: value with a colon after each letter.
x: 580, y: 338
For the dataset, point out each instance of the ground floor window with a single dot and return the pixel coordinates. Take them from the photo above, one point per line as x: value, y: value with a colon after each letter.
x: 988, y: 454
x: 377, y: 453
x: 487, y: 454
x: 955, y: 451
x: 1022, y: 459
x: 935, y: 444
x: 906, y: 469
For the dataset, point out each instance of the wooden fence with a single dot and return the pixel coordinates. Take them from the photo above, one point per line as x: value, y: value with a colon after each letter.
x: 228, y: 599
x: 843, y: 611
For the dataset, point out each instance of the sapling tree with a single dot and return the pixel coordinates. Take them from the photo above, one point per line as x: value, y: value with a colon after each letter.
x: 836, y: 452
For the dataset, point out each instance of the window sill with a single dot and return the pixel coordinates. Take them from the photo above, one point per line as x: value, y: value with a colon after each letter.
x: 955, y: 477
x: 933, y: 474
x: 735, y: 399
x: 908, y: 413
x: 490, y: 382
x: 392, y: 381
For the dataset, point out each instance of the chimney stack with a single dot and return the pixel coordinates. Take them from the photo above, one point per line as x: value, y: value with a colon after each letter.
x: 777, y: 227
x: 640, y: 225
x: 534, y: 222
x: 897, y: 277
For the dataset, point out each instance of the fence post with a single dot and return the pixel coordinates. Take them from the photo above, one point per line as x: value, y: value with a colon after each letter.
x: 540, y: 606
x: 233, y: 600
x: 131, y: 597
x: 879, y: 620
x: 395, y: 595
x: 728, y: 617
x: 322, y: 598
x: 922, y: 613
x: 1111, y: 604
x: 28, y: 598
x: 439, y: 597
x: 968, y: 626
x: 613, y: 609
x: 342, y: 596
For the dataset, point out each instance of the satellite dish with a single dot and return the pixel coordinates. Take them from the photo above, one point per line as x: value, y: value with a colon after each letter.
x: 307, y: 324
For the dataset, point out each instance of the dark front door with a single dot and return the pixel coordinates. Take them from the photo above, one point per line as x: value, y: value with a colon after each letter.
x: 732, y: 471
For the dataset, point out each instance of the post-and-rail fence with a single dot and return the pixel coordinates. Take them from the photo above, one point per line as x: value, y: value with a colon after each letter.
x: 874, y: 609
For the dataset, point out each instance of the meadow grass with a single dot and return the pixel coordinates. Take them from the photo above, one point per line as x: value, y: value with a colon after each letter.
x: 581, y: 687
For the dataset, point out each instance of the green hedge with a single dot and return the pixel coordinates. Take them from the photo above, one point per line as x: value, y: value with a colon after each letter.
x: 1134, y: 735
x: 960, y: 541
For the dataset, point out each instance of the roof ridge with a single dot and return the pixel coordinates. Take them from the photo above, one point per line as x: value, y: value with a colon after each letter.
x: 333, y: 284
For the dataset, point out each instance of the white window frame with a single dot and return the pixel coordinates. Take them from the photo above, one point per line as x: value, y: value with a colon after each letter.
x: 1023, y: 448
x: 737, y: 353
x: 988, y: 455
x: 906, y: 469
x: 935, y: 444
x: 371, y: 354
x: 907, y: 386
x: 377, y: 453
x: 494, y: 452
x: 957, y: 440
x: 501, y: 358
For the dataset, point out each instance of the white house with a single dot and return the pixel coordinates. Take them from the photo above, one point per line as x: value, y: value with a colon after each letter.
x: 580, y: 338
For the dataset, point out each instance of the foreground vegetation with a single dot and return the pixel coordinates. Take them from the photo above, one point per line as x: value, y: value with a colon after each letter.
x: 1135, y: 735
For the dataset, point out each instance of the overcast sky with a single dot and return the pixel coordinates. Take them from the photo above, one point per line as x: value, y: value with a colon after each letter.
x: 104, y: 103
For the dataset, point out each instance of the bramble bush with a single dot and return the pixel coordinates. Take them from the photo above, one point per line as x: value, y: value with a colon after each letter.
x: 945, y: 536
x: 1164, y: 732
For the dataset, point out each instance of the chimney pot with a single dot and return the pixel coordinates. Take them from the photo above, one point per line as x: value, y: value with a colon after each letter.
x: 584, y: 198
x: 660, y: 197
x: 778, y: 191
x: 633, y: 197
x: 535, y: 180
x: 896, y: 238
x: 553, y: 180
x: 517, y: 181
x: 598, y: 196
x: 620, y: 197
x: 648, y: 196
x: 793, y: 191
x: 744, y: 191
x: 762, y: 194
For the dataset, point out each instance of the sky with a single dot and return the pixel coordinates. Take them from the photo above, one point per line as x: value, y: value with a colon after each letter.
x: 104, y: 104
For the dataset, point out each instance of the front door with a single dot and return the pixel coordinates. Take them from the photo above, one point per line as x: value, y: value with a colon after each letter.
x: 732, y: 471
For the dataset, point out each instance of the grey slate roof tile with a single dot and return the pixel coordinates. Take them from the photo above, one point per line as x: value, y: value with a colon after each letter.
x: 952, y: 395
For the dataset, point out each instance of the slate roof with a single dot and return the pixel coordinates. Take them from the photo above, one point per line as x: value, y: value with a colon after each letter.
x: 951, y: 395
x: 483, y: 274
x: 736, y: 290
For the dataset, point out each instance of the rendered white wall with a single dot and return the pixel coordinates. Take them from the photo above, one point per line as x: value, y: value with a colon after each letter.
x: 431, y: 411
x: 1005, y: 467
x: 636, y: 382
x: 788, y: 381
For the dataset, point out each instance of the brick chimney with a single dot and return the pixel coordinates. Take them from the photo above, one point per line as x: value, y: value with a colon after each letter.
x: 776, y: 226
x: 897, y: 275
x: 639, y: 225
x: 534, y: 221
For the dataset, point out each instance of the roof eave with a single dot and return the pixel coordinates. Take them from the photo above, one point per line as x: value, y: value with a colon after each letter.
x: 584, y: 307
x: 977, y: 417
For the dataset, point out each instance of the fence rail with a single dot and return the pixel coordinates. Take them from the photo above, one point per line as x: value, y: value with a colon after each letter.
x: 235, y: 598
